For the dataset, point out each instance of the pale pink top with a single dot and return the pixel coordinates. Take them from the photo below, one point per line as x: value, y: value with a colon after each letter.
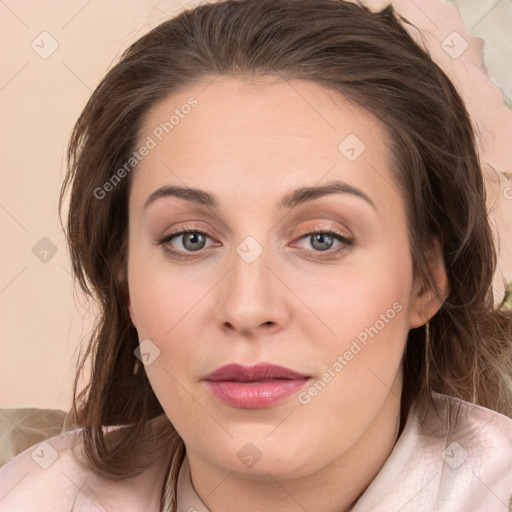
x: 471, y: 471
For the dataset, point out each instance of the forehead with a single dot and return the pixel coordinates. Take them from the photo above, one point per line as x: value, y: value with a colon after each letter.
x: 244, y: 133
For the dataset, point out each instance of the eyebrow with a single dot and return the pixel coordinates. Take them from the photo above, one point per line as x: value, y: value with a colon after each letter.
x: 290, y: 200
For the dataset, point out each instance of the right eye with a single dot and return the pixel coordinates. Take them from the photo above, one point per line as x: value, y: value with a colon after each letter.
x: 192, y: 240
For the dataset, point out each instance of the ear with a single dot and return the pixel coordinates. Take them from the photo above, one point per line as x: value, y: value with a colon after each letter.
x: 132, y: 316
x: 424, y: 302
x: 123, y: 282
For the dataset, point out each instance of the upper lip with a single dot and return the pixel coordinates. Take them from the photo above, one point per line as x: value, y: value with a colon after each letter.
x: 260, y: 371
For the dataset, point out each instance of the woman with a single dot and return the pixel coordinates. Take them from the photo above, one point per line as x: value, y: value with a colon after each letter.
x: 280, y: 208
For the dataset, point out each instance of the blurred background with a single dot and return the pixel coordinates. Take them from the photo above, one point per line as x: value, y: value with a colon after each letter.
x: 55, y: 53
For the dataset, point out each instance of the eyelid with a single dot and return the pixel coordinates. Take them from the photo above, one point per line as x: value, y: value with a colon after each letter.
x: 188, y: 228
x: 322, y: 228
x: 318, y: 228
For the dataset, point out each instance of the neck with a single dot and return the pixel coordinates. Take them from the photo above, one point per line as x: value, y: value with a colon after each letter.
x: 335, y: 488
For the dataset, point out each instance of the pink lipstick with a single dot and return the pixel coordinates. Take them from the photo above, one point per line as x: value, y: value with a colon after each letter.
x: 254, y: 387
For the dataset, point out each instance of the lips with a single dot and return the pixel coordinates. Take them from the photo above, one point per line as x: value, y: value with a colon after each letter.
x: 254, y: 387
x: 261, y: 371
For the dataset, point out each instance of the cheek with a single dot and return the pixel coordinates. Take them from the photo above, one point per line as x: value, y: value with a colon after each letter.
x: 353, y: 298
x: 166, y: 303
x: 366, y: 308
x: 161, y: 296
x: 370, y: 326
x: 163, y: 304
x: 360, y: 363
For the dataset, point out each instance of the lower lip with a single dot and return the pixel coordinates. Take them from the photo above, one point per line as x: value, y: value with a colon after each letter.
x: 255, y: 395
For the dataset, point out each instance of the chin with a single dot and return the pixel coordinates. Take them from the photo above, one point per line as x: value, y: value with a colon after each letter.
x: 260, y: 456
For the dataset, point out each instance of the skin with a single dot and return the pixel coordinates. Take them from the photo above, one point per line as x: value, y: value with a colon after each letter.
x: 250, y: 143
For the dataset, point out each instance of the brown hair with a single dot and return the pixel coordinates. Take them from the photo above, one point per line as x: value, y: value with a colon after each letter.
x: 370, y: 59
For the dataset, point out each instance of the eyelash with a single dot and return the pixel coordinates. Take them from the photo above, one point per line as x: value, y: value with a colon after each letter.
x: 347, y: 243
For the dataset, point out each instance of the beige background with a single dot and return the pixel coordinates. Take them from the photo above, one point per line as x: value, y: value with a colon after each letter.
x: 42, y: 321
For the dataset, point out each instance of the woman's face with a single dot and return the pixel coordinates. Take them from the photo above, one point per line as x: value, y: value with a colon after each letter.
x: 252, y: 285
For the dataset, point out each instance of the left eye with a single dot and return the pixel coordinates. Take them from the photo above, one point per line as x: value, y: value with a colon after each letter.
x: 323, y: 240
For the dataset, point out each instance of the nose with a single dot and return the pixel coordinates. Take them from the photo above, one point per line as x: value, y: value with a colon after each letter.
x: 252, y: 297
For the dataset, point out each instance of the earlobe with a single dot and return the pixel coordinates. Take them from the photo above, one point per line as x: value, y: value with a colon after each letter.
x: 122, y: 278
x: 425, y: 303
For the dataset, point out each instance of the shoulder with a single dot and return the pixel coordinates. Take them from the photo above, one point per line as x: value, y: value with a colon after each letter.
x: 474, y: 422
x: 459, y: 459
x: 481, y: 439
x: 29, y: 481
x: 48, y: 477
x: 474, y: 460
